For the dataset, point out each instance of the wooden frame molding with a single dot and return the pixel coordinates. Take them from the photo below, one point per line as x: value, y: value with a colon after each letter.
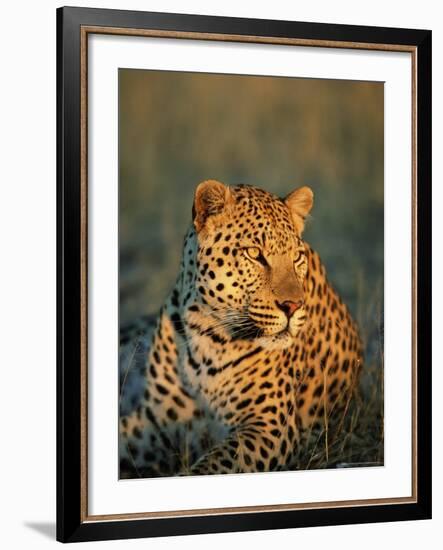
x: 75, y: 25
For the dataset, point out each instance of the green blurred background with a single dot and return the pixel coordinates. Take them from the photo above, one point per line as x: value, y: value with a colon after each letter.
x: 177, y: 129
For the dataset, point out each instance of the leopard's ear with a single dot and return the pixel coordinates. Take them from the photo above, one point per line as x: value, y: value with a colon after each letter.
x: 211, y: 199
x: 300, y: 203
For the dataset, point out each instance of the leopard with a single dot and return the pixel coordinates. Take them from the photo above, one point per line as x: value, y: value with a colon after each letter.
x: 252, y: 351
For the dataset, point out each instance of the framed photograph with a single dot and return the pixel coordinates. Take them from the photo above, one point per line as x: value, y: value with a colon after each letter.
x: 244, y: 274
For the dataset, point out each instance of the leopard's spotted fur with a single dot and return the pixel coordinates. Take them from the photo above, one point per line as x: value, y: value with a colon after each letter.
x: 252, y: 349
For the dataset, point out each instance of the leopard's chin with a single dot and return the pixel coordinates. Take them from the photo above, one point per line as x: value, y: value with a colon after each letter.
x: 278, y: 341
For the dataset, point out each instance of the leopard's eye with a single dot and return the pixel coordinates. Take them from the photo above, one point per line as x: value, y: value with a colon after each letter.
x: 255, y: 254
x: 300, y: 263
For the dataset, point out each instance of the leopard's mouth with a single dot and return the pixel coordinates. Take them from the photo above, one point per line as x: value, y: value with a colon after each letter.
x: 291, y: 329
x: 251, y: 329
x: 282, y: 334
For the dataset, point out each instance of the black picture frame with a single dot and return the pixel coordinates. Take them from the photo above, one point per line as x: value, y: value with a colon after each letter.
x: 71, y: 524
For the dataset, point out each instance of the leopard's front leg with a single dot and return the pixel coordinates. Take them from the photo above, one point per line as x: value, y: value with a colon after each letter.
x: 255, y: 447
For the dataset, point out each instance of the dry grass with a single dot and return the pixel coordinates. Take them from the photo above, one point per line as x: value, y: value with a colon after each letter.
x: 359, y: 439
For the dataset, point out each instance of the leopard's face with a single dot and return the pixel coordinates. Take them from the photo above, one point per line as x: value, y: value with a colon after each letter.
x: 250, y: 263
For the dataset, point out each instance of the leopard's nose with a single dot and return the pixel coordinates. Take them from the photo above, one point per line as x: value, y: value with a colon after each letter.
x: 289, y: 307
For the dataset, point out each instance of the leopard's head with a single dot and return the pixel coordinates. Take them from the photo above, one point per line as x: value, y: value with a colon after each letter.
x: 249, y: 260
